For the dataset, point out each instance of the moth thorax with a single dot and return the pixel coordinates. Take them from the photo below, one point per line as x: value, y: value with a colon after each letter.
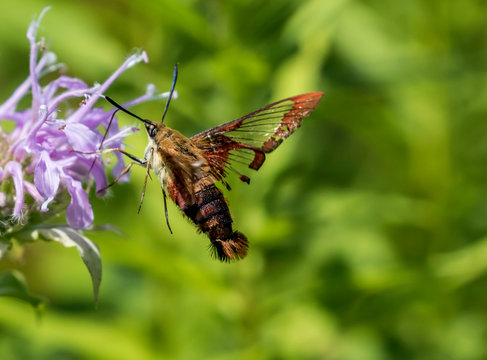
x: 157, y: 164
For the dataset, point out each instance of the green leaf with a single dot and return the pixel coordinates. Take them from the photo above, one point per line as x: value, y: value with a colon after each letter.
x: 13, y: 284
x: 87, y: 249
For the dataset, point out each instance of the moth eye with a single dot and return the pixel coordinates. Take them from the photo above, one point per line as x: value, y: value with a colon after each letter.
x: 152, y: 131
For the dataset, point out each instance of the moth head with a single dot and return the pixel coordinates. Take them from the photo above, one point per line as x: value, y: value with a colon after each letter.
x: 151, y: 128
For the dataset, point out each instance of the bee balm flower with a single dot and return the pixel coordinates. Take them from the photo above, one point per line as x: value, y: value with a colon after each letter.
x: 46, y: 157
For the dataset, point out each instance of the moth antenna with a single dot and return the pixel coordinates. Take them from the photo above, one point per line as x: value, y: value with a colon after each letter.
x: 120, y: 107
x: 173, y: 85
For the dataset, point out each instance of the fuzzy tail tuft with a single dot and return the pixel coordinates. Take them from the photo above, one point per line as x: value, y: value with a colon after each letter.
x: 232, y: 248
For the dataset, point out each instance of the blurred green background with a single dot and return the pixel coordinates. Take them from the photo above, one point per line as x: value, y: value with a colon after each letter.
x: 368, y: 227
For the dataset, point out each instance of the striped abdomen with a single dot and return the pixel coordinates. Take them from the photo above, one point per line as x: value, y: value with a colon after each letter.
x: 212, y: 216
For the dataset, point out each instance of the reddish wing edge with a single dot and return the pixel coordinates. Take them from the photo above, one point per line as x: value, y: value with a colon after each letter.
x: 246, y: 140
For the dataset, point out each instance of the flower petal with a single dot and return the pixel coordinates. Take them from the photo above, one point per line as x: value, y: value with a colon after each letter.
x: 79, y: 212
x: 129, y: 62
x: 32, y: 190
x: 63, y: 82
x: 80, y: 137
x: 96, y: 168
x: 31, y: 36
x: 117, y: 139
x: 46, y: 178
x: 70, y: 83
x: 14, y: 169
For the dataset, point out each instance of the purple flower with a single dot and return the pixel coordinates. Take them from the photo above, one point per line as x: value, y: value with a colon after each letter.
x: 44, y: 157
x: 14, y: 169
x: 50, y: 158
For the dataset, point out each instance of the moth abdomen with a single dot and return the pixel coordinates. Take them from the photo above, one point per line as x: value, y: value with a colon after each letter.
x: 213, y: 211
x: 233, y: 247
x: 212, y: 216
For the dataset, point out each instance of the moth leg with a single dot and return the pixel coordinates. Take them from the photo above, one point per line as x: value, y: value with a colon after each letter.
x: 136, y: 161
x: 126, y: 170
x: 106, y: 151
x: 147, y: 164
x: 129, y: 155
x: 165, y: 209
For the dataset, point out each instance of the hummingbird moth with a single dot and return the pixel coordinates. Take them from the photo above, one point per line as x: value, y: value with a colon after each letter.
x: 189, y: 168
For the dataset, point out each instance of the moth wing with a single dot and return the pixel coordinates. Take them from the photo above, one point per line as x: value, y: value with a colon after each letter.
x: 182, y: 175
x: 246, y: 140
